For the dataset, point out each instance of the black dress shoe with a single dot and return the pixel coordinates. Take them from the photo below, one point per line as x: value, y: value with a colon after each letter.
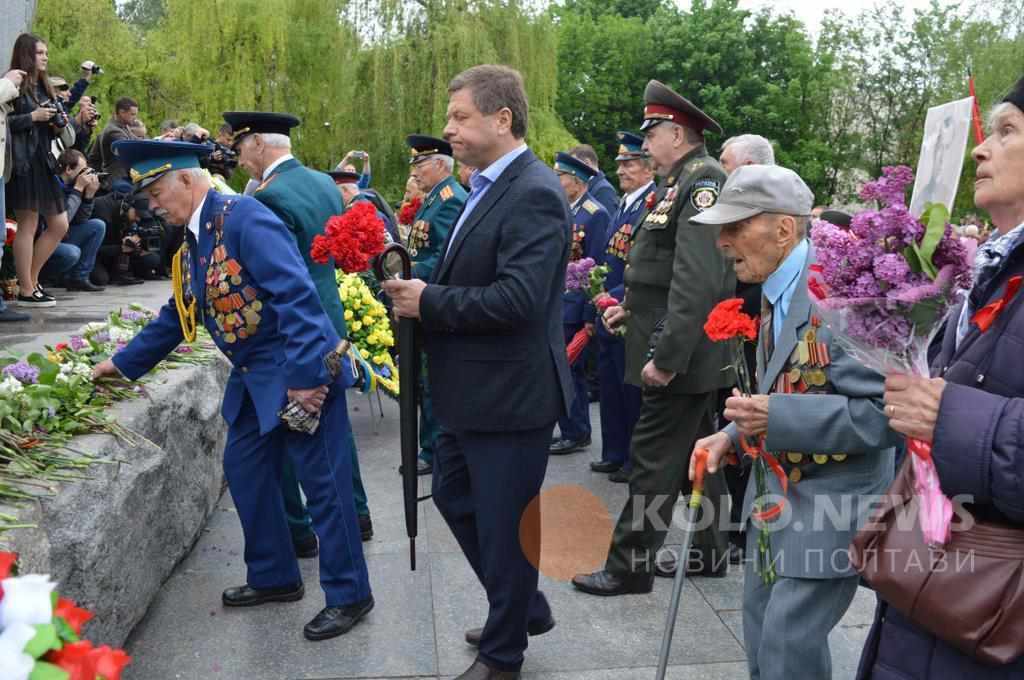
x: 306, y: 547
x: 245, y: 596
x: 620, y: 476
x: 84, y: 285
x: 473, y: 635
x: 605, y: 466
x: 335, y: 621
x: 607, y: 584
x: 481, y: 671
x: 566, y: 446
x: 365, y: 527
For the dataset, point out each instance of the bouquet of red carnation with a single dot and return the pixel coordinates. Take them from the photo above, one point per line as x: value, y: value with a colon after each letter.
x: 408, y: 211
x: 728, y: 323
x: 352, y: 239
x: 40, y: 632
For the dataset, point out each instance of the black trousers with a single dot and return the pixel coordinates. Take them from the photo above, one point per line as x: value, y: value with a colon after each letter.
x: 483, y: 482
x: 661, y: 446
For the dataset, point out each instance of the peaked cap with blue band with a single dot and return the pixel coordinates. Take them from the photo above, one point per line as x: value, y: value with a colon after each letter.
x: 573, y: 166
x: 148, y: 160
x: 631, y: 146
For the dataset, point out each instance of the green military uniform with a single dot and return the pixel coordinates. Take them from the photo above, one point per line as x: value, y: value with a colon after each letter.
x: 436, y: 216
x: 673, y: 278
x: 303, y: 199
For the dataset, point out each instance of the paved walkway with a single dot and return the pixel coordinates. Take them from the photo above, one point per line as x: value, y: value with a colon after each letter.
x: 415, y: 632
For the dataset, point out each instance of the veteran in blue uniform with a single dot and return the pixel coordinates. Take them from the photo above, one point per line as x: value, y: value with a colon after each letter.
x: 432, y: 163
x: 620, y: 401
x: 304, y: 200
x: 590, y: 226
x: 239, y: 273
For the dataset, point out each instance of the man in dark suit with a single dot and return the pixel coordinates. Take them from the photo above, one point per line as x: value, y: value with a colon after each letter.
x: 492, y: 319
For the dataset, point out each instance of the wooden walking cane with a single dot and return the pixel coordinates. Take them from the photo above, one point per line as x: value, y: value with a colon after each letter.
x: 408, y: 387
x: 696, y: 495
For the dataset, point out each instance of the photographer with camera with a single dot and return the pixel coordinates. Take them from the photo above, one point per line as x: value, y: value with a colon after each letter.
x: 135, y: 244
x: 9, y: 86
x: 85, y: 122
x: 126, y: 111
x: 221, y: 162
x: 33, y: 191
x: 347, y: 164
x: 86, y: 232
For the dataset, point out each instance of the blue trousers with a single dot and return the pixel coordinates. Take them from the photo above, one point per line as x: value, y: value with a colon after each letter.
x: 64, y: 258
x: 620, y: 403
x: 483, y: 481
x: 323, y: 464
x: 88, y: 237
x: 576, y: 424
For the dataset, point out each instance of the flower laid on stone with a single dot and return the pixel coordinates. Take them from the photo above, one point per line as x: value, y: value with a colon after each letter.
x: 22, y: 372
x: 884, y: 287
x: 40, y: 633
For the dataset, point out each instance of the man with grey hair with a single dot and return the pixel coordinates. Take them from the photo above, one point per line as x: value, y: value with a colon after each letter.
x: 746, y: 150
x: 817, y: 413
x: 431, y: 169
x: 491, y: 316
x: 304, y: 200
x: 599, y: 187
x: 265, y: 316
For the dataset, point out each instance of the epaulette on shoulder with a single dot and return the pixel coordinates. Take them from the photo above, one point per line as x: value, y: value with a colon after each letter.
x: 265, y: 183
x: 446, y: 193
x: 590, y: 206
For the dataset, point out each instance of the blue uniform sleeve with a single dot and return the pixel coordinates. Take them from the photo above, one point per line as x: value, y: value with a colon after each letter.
x: 151, y: 345
x: 364, y: 181
x: 594, y: 244
x: 77, y: 90
x: 269, y: 253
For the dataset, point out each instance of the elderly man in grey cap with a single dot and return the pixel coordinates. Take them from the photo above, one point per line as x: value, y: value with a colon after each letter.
x: 820, y: 415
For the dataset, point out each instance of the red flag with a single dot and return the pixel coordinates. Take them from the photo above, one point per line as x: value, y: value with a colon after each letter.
x: 979, y: 133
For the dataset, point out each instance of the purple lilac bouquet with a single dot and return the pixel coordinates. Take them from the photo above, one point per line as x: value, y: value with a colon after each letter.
x: 884, y: 286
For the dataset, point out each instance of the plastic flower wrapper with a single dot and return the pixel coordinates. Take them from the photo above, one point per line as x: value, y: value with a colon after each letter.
x: 884, y: 288
x: 369, y: 329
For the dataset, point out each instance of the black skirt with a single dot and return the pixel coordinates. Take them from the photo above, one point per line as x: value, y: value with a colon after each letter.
x: 38, y: 188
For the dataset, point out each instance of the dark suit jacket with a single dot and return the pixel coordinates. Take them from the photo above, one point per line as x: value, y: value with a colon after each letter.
x: 492, y: 311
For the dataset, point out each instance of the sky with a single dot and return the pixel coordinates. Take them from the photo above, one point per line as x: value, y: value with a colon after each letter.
x: 812, y: 11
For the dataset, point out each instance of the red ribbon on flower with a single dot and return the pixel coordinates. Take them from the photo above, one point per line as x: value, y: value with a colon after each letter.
x: 987, y: 315
x: 919, y: 448
x: 756, y: 452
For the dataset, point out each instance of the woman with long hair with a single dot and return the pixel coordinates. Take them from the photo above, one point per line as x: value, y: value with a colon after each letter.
x: 34, y: 189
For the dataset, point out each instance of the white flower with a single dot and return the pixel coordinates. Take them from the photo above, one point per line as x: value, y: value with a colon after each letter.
x: 11, y: 385
x: 63, y: 378
x: 65, y: 368
x: 118, y: 334
x: 83, y: 370
x: 16, y: 663
x: 27, y: 600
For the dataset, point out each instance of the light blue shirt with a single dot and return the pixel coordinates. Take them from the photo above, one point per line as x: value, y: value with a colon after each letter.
x: 780, y: 286
x: 479, y: 184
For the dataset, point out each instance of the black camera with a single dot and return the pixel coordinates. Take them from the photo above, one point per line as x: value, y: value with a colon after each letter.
x: 228, y: 157
x: 60, y: 119
x: 150, y: 234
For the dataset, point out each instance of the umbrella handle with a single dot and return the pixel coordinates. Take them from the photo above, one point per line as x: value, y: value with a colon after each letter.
x: 403, y: 254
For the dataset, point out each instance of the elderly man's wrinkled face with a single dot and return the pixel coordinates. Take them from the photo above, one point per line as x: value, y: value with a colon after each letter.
x: 758, y: 245
x: 571, y: 185
x: 427, y: 173
x: 171, y: 197
x: 633, y: 175
x: 999, y: 183
x: 662, y: 142
x: 729, y: 160
x: 250, y: 156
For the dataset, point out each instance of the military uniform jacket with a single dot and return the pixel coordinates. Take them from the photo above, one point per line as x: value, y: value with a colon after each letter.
x: 618, y: 242
x: 828, y: 430
x: 254, y: 295
x: 589, y: 229
x: 603, y: 192
x: 674, y: 277
x: 304, y: 200
x: 435, y: 218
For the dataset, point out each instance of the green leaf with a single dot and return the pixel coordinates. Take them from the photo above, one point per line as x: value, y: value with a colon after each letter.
x: 64, y: 631
x: 48, y: 370
x: 913, y: 259
x: 46, y: 639
x: 47, y: 671
x: 935, y: 217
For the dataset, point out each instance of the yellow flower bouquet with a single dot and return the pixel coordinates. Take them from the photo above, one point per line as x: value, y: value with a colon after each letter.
x: 369, y: 329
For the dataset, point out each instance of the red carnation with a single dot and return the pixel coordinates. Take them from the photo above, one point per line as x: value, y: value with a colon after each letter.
x: 82, y: 662
x: 74, y: 616
x: 605, y: 302
x: 352, y: 239
x: 408, y: 211
x: 727, y: 321
x: 650, y: 200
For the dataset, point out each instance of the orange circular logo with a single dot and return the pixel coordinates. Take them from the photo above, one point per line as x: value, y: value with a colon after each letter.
x: 566, y: 531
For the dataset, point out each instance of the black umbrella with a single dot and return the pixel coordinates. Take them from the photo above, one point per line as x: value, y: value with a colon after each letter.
x: 393, y: 260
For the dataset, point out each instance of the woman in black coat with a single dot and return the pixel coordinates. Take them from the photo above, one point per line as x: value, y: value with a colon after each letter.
x: 34, y: 189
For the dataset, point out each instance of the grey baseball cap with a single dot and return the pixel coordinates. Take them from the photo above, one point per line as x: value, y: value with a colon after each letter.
x: 754, y: 189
